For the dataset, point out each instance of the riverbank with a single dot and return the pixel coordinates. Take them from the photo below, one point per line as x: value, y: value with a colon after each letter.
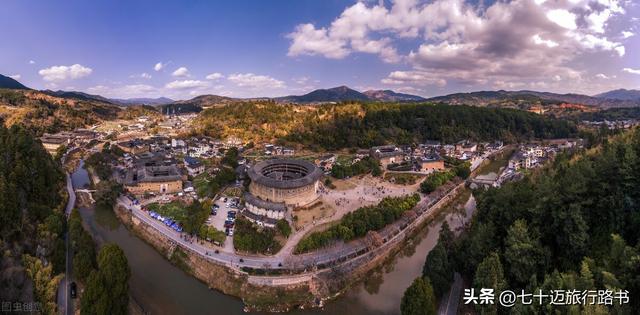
x: 284, y: 292
x: 273, y: 298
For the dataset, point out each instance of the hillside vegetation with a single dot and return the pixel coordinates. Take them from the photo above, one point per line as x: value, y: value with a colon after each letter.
x: 32, y: 222
x: 346, y: 125
x: 573, y: 225
x: 41, y: 112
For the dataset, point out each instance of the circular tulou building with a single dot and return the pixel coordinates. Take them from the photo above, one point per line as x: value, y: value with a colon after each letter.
x: 280, y: 184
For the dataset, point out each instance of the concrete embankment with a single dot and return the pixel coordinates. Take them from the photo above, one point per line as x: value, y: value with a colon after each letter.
x: 255, y: 293
x: 282, y: 292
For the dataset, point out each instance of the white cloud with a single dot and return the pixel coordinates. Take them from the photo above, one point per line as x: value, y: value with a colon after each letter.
x: 413, y: 77
x: 159, y: 66
x: 307, y: 40
x: 61, y: 73
x: 301, y: 80
x: 31, y: 62
x: 627, y: 34
x: 215, y: 76
x: 255, y: 81
x: 631, y: 70
x: 15, y: 76
x: 563, y: 18
x: 186, y: 84
x: 603, y: 76
x: 143, y: 75
x: 463, y: 42
x: 181, y: 72
x: 538, y: 40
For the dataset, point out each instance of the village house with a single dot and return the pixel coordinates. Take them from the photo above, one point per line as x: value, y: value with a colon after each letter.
x: 430, y: 163
x: 194, y: 166
x: 387, y: 154
x: 519, y: 161
x: 326, y: 162
x: 133, y: 146
x: 52, y: 142
x: 466, y: 146
x: 153, y: 179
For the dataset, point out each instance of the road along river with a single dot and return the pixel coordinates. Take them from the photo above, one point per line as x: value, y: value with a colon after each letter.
x: 158, y: 287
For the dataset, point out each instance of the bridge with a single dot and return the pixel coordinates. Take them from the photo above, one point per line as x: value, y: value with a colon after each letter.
x: 89, y: 192
x: 86, y: 190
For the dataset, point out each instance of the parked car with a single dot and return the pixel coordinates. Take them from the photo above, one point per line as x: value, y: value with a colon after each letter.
x: 73, y: 288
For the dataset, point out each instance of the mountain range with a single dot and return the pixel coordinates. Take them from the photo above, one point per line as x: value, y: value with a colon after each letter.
x: 344, y: 93
x: 142, y: 101
x: 518, y: 99
x: 621, y: 94
x: 511, y: 99
x: 10, y: 83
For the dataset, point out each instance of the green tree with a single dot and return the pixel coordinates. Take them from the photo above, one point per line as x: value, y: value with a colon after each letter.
x: 446, y: 236
x: 463, y: 170
x: 115, y: 272
x: 45, y: 284
x: 438, y: 268
x: 95, y: 298
x: 84, y: 259
x: 523, y: 252
x: 490, y: 275
x: 418, y: 299
x: 283, y: 227
x: 107, y: 191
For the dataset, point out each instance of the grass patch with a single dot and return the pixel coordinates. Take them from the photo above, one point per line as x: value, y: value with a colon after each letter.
x: 211, y: 234
x: 356, y: 224
x: 201, y: 184
x: 251, y: 238
x: 174, y: 209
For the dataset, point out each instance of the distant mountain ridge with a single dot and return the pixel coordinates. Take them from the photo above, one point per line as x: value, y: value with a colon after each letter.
x: 391, y: 96
x: 336, y: 94
x: 517, y: 99
x: 620, y: 94
x: 523, y: 99
x: 11, y: 83
x: 77, y: 95
x: 142, y: 101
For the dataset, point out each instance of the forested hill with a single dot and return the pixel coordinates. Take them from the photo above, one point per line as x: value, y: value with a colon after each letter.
x: 376, y: 124
x: 574, y: 225
x: 42, y: 112
x: 31, y: 214
x: 347, y: 125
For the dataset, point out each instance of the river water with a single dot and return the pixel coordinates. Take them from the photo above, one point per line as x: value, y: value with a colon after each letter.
x: 161, y: 288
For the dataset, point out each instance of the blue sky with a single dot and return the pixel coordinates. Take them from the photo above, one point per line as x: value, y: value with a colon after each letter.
x: 271, y: 48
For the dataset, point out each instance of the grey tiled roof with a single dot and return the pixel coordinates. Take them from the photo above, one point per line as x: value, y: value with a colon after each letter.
x: 263, y: 204
x: 281, y: 173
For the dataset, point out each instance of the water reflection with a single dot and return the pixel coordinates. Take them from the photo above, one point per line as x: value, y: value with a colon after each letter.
x: 105, y: 217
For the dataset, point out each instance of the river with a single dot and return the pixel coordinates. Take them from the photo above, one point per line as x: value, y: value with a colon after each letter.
x: 161, y: 288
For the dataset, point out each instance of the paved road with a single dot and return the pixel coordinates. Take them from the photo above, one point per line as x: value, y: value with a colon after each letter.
x: 231, y: 259
x: 65, y: 305
x: 449, y: 306
x: 284, y: 258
